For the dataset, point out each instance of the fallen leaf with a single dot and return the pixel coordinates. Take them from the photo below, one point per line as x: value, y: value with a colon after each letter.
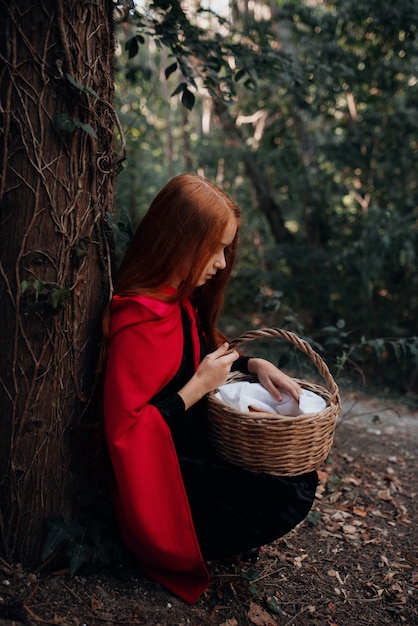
x: 352, y: 480
x: 333, y: 573
x: 340, y: 515
x: 412, y: 557
x: 396, y: 587
x: 349, y: 529
x: 359, y: 512
x: 298, y: 560
x: 323, y: 476
x: 274, y: 606
x: 334, y: 497
x: 137, y: 612
x: 384, y: 494
x: 388, y: 578
x: 259, y: 616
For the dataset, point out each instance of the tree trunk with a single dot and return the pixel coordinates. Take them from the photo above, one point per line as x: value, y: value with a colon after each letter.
x: 266, y: 203
x: 57, y: 176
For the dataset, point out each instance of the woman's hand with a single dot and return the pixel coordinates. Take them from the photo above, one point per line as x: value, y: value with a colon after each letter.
x: 211, y: 373
x: 273, y: 379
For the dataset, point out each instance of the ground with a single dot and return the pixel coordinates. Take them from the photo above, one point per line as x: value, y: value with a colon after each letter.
x: 353, y: 561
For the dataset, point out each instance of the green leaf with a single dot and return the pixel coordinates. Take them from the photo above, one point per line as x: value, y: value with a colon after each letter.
x: 35, y: 307
x: 250, y: 84
x: 59, y: 296
x: 86, y: 127
x: 24, y: 285
x: 214, y: 63
x: 253, y: 590
x: 81, y: 248
x: 170, y: 69
x: 274, y: 606
x: 91, y: 91
x: 55, y: 538
x: 78, y: 554
x: 132, y: 47
x: 65, y: 123
x: 188, y: 99
x: 240, y: 74
x: 379, y: 347
x: 329, y: 329
x: 58, y: 533
x: 81, y: 87
x: 334, y: 482
x: 38, y: 285
x: 313, y: 517
x: 73, y: 82
x: 250, y: 574
x: 181, y: 87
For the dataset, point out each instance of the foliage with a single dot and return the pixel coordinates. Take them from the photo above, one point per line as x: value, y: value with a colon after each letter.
x: 90, y: 540
x: 322, y: 100
x: 43, y: 297
x: 121, y: 229
x: 68, y: 125
x: 217, y: 57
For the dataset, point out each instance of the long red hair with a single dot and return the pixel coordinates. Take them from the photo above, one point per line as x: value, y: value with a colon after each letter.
x: 186, y: 220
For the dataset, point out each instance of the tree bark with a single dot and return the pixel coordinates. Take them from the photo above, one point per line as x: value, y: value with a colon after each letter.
x: 57, y: 175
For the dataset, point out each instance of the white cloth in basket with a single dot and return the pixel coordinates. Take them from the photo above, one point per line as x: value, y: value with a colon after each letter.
x: 246, y: 396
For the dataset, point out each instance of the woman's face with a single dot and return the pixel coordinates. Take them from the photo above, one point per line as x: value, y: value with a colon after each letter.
x: 217, y: 260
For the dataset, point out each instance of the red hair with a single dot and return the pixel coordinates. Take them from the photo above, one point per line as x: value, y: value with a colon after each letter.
x: 186, y: 220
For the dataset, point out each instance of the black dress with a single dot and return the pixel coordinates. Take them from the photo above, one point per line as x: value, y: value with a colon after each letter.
x: 233, y: 509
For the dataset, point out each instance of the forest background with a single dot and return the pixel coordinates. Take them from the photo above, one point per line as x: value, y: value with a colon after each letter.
x: 315, y: 136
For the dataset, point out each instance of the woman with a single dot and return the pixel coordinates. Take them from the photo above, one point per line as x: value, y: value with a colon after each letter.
x: 177, y: 504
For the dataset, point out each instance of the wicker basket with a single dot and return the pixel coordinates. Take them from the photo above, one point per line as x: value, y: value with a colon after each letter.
x: 272, y: 443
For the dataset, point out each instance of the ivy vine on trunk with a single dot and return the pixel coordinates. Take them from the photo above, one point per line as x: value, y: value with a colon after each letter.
x: 57, y: 164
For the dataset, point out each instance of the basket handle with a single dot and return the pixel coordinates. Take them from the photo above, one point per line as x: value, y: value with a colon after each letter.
x: 304, y: 346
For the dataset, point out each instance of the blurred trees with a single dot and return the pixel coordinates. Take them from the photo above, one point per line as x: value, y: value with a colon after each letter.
x: 315, y: 136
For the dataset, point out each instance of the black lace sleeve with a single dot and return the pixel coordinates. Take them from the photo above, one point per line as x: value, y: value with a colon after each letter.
x: 171, y: 407
x: 241, y: 365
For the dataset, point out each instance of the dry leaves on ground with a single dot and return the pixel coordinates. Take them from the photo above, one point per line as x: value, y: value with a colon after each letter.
x: 353, y: 560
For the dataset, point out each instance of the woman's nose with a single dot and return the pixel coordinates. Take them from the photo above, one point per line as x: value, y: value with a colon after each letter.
x: 220, y: 262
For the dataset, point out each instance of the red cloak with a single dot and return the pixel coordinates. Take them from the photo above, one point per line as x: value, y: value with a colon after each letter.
x: 145, y: 352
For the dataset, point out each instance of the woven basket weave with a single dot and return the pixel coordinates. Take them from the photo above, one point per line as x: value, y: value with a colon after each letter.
x: 272, y: 443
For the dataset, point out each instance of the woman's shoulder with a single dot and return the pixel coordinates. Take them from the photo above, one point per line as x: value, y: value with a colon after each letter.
x: 135, y: 309
x: 145, y: 304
